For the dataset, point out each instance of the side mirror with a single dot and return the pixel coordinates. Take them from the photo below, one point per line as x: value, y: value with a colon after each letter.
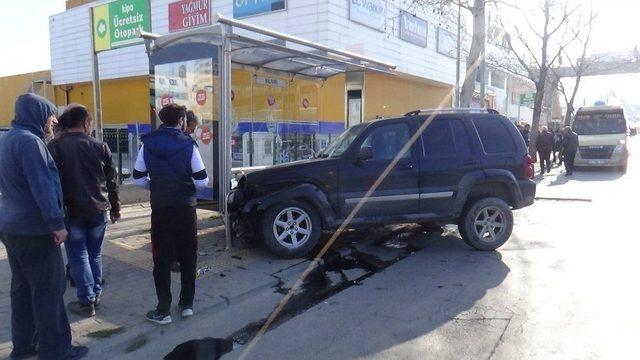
x: 634, y: 131
x: 365, y: 153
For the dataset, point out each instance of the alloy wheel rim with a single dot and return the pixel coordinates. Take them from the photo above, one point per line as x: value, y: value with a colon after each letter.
x: 292, y: 227
x: 490, y: 223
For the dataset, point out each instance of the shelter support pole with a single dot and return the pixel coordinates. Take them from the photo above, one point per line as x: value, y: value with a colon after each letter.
x: 224, y: 124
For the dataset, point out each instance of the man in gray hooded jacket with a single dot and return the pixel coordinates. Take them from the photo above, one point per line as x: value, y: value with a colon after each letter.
x: 32, y: 229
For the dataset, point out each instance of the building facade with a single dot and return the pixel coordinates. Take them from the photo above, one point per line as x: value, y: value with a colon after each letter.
x: 277, y: 117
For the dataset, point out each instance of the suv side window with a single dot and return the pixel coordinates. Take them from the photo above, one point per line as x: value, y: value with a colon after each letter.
x: 437, y: 140
x: 386, y: 141
x: 494, y: 135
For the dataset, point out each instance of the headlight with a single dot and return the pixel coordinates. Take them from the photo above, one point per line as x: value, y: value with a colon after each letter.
x: 620, y: 148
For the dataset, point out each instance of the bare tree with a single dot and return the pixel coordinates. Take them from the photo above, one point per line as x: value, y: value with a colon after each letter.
x: 578, y: 67
x: 540, y: 44
x: 476, y: 53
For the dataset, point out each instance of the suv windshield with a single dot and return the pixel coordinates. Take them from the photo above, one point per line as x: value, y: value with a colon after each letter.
x: 599, y: 124
x: 342, y: 142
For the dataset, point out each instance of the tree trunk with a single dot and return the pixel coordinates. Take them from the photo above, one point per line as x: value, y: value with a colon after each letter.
x: 475, y: 53
x: 567, y: 115
x: 537, y: 112
x: 570, y: 108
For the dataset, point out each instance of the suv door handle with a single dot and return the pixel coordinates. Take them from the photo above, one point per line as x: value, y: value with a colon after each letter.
x: 404, y: 167
x: 469, y: 162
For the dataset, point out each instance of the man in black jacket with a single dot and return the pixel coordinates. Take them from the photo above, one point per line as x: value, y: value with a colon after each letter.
x: 570, y: 145
x: 170, y: 165
x: 544, y: 144
x: 90, y: 189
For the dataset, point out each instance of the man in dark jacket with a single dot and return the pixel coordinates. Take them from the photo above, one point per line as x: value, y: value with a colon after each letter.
x: 544, y: 145
x: 170, y: 165
x: 570, y: 142
x: 526, y: 133
x: 90, y: 190
x: 32, y: 229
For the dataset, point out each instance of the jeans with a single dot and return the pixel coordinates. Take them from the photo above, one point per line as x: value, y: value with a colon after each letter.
x: 38, y: 315
x: 174, y: 234
x: 84, y: 253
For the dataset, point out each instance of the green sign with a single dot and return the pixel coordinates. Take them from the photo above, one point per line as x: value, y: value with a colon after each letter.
x: 117, y: 23
x: 527, y: 99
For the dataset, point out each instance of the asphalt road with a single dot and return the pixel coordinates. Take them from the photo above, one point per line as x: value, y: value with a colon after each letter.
x: 565, y: 286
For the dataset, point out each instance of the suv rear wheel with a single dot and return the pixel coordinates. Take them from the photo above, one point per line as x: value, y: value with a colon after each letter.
x: 291, y: 229
x: 487, y: 224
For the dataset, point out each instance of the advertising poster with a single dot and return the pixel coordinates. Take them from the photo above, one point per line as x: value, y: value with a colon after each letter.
x: 413, y: 29
x: 446, y: 43
x: 188, y: 14
x: 244, y: 8
x: 191, y: 84
x: 116, y: 24
x: 371, y: 13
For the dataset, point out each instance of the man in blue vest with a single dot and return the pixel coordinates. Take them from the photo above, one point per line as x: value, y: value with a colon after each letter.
x: 169, y: 164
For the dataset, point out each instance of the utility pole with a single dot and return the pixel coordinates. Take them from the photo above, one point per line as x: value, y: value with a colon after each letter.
x: 483, y: 78
x: 457, y: 88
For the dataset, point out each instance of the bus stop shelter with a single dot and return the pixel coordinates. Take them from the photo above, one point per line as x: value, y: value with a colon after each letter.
x: 197, y: 64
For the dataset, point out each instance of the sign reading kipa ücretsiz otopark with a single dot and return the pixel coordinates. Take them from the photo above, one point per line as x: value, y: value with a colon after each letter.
x: 116, y: 24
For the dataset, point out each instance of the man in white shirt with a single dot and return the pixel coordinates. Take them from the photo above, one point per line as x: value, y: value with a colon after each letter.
x: 170, y: 166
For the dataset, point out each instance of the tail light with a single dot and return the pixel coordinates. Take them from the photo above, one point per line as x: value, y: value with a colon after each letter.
x: 529, y: 171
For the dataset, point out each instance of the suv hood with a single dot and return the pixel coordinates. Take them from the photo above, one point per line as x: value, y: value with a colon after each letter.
x: 297, y: 170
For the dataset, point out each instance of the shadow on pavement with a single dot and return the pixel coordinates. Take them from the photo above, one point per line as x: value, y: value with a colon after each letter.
x: 439, y: 279
x: 596, y: 174
x: 447, y: 279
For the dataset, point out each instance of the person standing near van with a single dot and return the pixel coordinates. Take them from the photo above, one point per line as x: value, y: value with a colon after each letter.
x: 32, y: 229
x: 544, y: 145
x: 89, y: 185
x: 570, y: 143
x: 169, y: 164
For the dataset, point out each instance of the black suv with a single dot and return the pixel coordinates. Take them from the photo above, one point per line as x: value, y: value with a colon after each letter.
x: 469, y: 168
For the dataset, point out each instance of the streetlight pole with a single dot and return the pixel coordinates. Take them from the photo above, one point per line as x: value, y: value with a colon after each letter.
x: 457, y: 88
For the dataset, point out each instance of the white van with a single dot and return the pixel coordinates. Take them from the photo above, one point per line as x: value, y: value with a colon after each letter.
x: 603, y: 135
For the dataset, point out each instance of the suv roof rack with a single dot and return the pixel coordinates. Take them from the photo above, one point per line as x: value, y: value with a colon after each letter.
x: 452, y: 111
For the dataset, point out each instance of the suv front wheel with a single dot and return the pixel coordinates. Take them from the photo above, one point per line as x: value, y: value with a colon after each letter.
x: 487, y: 224
x: 291, y: 229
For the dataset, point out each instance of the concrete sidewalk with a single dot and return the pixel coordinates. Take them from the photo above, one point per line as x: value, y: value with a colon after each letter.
x: 227, y: 277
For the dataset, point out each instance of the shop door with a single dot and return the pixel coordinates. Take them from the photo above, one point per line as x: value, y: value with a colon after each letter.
x: 354, y: 107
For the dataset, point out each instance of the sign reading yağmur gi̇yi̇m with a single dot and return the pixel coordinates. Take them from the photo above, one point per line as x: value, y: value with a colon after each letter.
x: 116, y: 24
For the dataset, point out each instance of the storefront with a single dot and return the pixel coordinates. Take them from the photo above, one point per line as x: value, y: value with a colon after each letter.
x: 293, y: 114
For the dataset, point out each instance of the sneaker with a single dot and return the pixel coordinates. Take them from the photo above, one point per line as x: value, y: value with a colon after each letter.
x: 82, y: 309
x: 186, y: 311
x: 97, y: 300
x: 158, y: 318
x: 76, y: 352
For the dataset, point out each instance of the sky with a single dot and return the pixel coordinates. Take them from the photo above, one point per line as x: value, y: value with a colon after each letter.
x: 24, y: 25
x: 26, y: 48
x: 616, y: 29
